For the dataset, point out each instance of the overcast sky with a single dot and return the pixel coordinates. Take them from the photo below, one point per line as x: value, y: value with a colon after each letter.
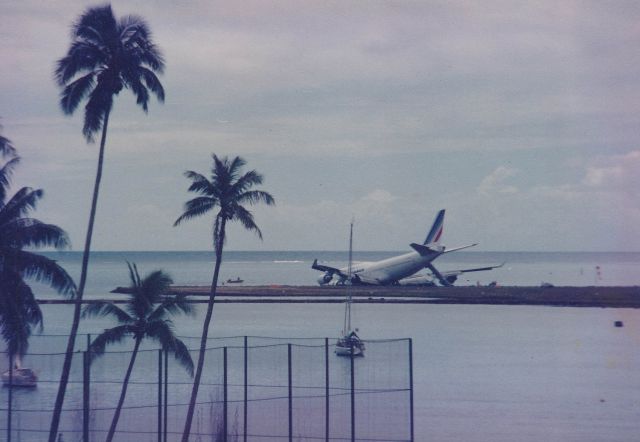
x: 520, y: 118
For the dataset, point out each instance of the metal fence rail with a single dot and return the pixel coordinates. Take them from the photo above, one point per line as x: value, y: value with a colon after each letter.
x: 253, y: 389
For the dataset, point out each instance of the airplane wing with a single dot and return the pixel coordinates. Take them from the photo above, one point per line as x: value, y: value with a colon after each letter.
x: 477, y: 269
x: 324, y: 268
x: 459, y: 248
x: 449, y: 277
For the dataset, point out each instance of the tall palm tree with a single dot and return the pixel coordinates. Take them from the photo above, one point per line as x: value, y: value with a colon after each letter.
x: 145, y: 315
x: 226, y: 193
x: 105, y: 56
x: 19, y: 309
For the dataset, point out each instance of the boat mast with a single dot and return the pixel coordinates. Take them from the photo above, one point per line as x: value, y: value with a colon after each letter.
x: 347, y: 321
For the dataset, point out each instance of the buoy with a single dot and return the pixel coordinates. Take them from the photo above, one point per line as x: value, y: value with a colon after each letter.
x: 618, y: 324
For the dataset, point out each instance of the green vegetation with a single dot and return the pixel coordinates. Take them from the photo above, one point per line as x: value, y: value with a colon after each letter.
x: 227, y: 191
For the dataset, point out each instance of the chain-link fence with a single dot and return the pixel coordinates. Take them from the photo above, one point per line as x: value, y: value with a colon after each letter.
x: 252, y: 389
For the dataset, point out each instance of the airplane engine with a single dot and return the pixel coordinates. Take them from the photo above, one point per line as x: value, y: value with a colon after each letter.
x: 325, y: 279
x: 452, y: 278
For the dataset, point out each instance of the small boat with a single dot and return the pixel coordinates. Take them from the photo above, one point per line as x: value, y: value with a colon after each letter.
x: 235, y: 281
x: 19, y: 377
x: 349, y: 344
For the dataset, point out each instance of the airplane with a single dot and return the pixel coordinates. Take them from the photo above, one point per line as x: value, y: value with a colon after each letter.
x: 399, y: 270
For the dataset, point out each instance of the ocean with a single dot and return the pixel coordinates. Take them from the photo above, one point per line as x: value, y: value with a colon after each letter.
x: 481, y: 373
x: 109, y: 269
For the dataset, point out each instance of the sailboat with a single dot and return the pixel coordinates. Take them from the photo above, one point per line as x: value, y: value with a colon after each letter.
x: 350, y: 343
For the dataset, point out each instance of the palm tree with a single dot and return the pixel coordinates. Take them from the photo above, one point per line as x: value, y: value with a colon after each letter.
x: 105, y: 56
x: 19, y: 309
x: 6, y: 148
x: 226, y: 192
x: 145, y: 315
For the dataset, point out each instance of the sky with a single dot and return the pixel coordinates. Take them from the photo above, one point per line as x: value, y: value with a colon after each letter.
x: 521, y: 119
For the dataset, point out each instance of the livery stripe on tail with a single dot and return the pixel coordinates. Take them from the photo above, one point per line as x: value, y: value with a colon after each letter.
x: 436, y: 230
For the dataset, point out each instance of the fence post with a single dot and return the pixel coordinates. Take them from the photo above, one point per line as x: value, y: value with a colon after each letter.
x: 411, y: 388
x: 326, y: 389
x: 224, y: 408
x: 353, y: 396
x: 10, y: 406
x: 159, y: 395
x: 246, y: 384
x: 86, y: 392
x: 166, y: 393
x: 290, y: 392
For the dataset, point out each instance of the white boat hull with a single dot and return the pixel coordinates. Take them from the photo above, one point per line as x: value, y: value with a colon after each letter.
x: 346, y: 348
x: 20, y: 377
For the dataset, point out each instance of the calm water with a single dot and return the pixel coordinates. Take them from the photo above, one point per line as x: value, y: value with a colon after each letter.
x: 481, y: 373
x: 108, y: 269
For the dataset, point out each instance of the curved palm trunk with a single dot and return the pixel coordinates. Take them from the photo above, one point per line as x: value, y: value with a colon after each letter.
x: 205, y: 334
x: 66, y: 367
x: 123, y: 393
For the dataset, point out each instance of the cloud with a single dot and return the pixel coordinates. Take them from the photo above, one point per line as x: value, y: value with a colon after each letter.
x: 496, y: 181
x: 614, y: 173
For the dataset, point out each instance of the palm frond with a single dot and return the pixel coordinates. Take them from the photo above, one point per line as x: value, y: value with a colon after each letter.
x: 172, y: 306
x: 195, y: 208
x: 183, y: 356
x: 153, y: 83
x: 19, y: 313
x: 246, y: 219
x: 30, y: 232
x: 21, y: 203
x: 6, y: 173
x: 235, y: 167
x: 83, y: 57
x: 132, y: 79
x: 75, y: 92
x: 199, y: 183
x: 42, y: 269
x: 107, y: 337
x: 96, y: 24
x: 105, y: 309
x: 14, y: 328
x: 134, y: 276
x: 253, y: 197
x: 99, y: 103
x: 162, y: 332
x: 246, y: 181
x: 132, y: 29
x: 6, y: 147
x: 156, y: 284
x: 30, y: 306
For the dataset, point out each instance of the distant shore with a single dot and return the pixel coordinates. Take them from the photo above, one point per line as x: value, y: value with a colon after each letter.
x: 594, y: 296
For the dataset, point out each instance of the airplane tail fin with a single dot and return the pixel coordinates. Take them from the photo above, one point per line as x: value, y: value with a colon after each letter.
x: 436, y: 229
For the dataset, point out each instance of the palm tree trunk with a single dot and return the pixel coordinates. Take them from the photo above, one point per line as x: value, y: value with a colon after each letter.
x: 66, y: 367
x: 123, y: 393
x: 205, y: 334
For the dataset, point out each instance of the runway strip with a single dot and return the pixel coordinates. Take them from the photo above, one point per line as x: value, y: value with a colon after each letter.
x: 613, y: 297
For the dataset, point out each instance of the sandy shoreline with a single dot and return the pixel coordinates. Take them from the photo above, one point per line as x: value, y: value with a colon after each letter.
x: 594, y: 296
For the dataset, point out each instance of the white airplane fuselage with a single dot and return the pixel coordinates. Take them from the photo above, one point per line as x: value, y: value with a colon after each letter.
x: 391, y: 270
